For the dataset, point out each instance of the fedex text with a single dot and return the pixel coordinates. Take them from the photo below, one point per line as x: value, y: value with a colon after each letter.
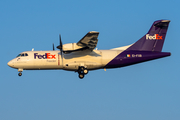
x: 154, y: 37
x: 44, y: 56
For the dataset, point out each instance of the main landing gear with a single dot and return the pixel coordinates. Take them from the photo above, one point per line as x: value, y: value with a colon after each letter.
x: 82, y: 71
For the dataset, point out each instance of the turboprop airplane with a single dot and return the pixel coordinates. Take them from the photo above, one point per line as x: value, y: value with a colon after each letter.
x: 82, y: 56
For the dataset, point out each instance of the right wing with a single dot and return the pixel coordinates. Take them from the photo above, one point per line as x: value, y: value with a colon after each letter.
x: 89, y: 41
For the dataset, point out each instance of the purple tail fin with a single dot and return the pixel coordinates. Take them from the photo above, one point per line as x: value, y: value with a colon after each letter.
x: 154, y: 39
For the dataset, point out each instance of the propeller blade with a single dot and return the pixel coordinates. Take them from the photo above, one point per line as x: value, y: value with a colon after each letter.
x: 53, y: 47
x: 61, y: 45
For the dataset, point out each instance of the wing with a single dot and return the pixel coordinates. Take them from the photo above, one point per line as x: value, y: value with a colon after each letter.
x: 89, y: 41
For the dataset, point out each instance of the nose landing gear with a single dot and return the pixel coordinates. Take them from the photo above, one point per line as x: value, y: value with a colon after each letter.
x: 20, y: 72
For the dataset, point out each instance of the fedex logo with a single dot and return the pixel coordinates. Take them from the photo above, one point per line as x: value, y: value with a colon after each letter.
x: 155, y: 37
x: 45, y: 56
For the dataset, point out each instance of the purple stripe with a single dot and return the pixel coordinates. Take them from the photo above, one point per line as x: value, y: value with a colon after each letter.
x: 133, y: 57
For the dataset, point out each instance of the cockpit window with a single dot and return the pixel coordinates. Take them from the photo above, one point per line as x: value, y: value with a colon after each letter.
x: 22, y: 55
x: 19, y: 55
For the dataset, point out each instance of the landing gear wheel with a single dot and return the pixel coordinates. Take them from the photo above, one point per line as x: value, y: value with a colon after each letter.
x: 81, y: 76
x: 85, y: 71
x: 20, y: 74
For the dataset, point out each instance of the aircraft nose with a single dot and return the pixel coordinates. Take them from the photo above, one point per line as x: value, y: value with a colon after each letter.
x: 10, y: 63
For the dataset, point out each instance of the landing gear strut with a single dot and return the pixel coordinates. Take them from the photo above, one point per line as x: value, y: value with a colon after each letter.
x: 82, y: 71
x: 20, y: 71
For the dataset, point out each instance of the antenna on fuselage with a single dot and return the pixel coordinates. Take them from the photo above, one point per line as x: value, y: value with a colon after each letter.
x: 32, y: 49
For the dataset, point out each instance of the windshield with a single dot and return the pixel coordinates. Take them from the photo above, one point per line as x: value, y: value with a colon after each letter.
x: 19, y: 55
x: 22, y: 55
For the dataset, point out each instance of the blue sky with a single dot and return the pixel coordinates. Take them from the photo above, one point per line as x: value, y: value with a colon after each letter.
x: 146, y: 91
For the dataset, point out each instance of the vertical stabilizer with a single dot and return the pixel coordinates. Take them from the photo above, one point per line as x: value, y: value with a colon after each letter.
x: 154, y: 39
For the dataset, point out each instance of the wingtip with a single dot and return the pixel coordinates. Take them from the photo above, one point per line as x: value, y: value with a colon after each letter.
x: 165, y: 21
x: 93, y: 32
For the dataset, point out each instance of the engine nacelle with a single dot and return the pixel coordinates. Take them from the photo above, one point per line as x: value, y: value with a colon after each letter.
x: 71, y: 47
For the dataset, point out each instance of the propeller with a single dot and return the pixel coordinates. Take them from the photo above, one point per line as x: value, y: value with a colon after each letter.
x: 61, y: 45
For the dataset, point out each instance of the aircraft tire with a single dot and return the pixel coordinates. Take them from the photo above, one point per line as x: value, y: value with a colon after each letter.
x: 85, y: 71
x: 81, y: 76
x: 20, y: 74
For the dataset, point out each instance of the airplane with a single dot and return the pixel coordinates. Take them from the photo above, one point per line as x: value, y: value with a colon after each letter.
x: 83, y: 56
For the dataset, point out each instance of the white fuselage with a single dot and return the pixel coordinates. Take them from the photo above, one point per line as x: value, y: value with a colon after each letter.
x: 91, y: 60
